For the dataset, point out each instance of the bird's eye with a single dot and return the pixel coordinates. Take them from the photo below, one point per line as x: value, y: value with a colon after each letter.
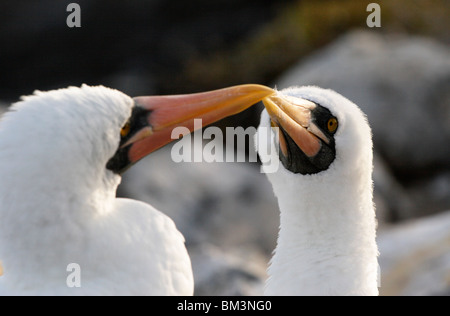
x: 125, y: 130
x: 332, y: 125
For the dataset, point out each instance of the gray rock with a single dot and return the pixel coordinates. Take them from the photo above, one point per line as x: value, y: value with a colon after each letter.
x: 3, y: 107
x: 391, y: 199
x: 415, y: 257
x: 238, y: 272
x: 433, y: 194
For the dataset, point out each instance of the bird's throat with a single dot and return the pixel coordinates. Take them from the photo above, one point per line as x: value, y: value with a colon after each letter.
x: 325, y: 241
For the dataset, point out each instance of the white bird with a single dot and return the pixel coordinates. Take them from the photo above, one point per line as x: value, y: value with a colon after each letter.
x: 326, y: 243
x: 61, y: 156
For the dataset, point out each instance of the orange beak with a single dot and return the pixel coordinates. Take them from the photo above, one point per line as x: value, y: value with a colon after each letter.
x: 294, y: 116
x: 155, y: 117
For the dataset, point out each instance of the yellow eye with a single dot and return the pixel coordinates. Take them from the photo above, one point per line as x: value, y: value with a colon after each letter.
x: 125, y: 130
x: 332, y: 125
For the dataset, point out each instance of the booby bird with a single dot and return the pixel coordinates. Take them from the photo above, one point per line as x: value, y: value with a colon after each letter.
x: 61, y: 156
x: 326, y: 243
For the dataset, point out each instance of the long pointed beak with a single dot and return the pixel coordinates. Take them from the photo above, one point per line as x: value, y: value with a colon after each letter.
x: 294, y: 116
x: 155, y: 117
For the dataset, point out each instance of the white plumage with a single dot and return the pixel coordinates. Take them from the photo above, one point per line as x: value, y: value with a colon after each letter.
x: 326, y: 244
x: 58, y: 204
x: 61, y: 156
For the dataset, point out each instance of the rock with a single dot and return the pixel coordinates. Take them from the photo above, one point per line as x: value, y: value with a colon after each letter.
x: 150, y: 39
x: 228, y: 273
x: 402, y: 84
x: 3, y: 107
x: 433, y: 194
x: 415, y: 257
x: 392, y: 200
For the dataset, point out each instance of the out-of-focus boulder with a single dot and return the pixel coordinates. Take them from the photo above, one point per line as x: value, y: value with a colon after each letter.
x: 415, y: 257
x: 3, y: 107
x: 150, y: 40
x: 235, y: 272
x: 392, y: 201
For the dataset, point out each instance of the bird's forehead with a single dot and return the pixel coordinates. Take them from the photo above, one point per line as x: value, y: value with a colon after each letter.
x: 313, y: 94
x: 107, y: 107
x: 339, y: 106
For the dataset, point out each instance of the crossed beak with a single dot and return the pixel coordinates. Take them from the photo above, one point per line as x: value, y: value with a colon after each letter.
x: 294, y: 116
x: 155, y: 117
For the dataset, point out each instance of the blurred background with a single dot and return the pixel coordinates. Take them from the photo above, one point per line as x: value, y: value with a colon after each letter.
x: 399, y: 74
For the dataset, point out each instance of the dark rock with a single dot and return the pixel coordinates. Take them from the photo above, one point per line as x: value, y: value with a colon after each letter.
x: 151, y: 39
x: 392, y: 200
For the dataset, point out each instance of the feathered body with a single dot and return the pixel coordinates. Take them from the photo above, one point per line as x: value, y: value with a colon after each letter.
x: 326, y: 243
x: 58, y: 204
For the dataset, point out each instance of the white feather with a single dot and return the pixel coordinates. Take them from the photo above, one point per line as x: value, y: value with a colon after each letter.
x: 326, y: 244
x: 58, y: 205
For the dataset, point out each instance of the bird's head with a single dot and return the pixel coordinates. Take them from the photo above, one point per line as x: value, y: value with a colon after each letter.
x: 315, y: 129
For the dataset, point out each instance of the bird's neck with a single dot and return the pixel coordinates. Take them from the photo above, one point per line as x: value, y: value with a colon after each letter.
x: 326, y: 244
x: 47, y: 223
